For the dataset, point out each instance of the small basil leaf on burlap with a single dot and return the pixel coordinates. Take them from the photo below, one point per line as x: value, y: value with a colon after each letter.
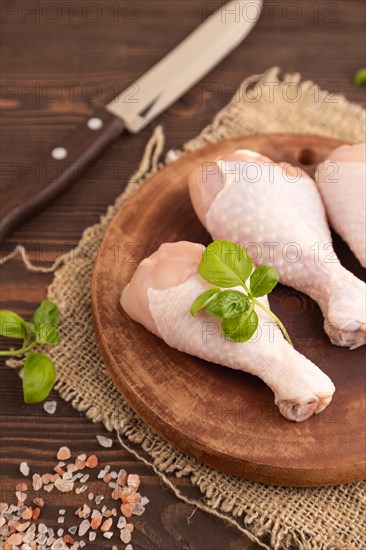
x: 47, y: 313
x: 263, y: 280
x: 225, y: 264
x: 12, y: 325
x: 47, y: 334
x: 39, y: 376
x: 228, y: 304
x: 240, y: 329
x: 202, y: 300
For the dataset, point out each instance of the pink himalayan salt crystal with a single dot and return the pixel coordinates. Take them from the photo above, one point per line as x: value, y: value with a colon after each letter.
x: 63, y: 453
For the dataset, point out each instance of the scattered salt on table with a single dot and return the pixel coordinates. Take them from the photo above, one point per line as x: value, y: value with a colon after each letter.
x: 24, y: 469
x: 104, y: 441
x: 50, y: 407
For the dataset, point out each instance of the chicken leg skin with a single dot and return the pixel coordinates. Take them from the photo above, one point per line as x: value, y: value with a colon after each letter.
x: 275, y: 211
x: 159, y: 297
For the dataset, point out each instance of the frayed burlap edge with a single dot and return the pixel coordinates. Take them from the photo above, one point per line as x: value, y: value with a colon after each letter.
x: 326, y: 518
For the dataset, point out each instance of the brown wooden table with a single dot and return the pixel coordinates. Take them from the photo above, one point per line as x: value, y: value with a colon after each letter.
x: 59, y: 58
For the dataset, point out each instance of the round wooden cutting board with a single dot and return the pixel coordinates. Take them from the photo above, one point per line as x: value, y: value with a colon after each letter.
x: 226, y: 418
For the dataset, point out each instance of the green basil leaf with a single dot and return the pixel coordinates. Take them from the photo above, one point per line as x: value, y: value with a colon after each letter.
x: 263, y: 280
x: 203, y: 300
x: 30, y: 327
x: 228, y: 304
x: 47, y: 334
x: 47, y: 313
x: 225, y: 264
x: 240, y: 329
x: 39, y: 376
x: 360, y: 77
x: 12, y: 325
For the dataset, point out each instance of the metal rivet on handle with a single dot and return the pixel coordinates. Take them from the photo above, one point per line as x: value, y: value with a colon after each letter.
x: 59, y: 153
x: 95, y: 123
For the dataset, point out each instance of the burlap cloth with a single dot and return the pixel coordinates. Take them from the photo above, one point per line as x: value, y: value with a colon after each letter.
x: 276, y: 517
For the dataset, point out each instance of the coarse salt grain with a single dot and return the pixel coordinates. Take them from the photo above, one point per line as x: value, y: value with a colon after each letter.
x: 65, y: 486
x: 21, y: 496
x: 63, y: 453
x: 27, y: 514
x: 46, y: 478
x: 126, y: 510
x: 121, y: 522
x: 50, y: 407
x: 36, y: 513
x: 104, y: 441
x: 84, y: 527
x: 21, y: 526
x: 92, y: 461
x: 138, y: 509
x: 122, y: 477
x: 58, y: 545
x: 15, y: 539
x: 107, y: 524
x: 80, y: 464
x: 125, y: 535
x: 133, y: 481
x: 108, y: 534
x: 37, y: 482
x: 24, y: 469
x: 29, y: 536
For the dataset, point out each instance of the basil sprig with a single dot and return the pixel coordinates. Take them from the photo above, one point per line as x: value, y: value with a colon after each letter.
x: 39, y: 373
x: 226, y: 264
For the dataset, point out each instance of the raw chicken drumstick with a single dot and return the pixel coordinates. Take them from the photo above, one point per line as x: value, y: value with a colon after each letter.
x: 159, y: 297
x: 276, y: 210
x: 341, y: 181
